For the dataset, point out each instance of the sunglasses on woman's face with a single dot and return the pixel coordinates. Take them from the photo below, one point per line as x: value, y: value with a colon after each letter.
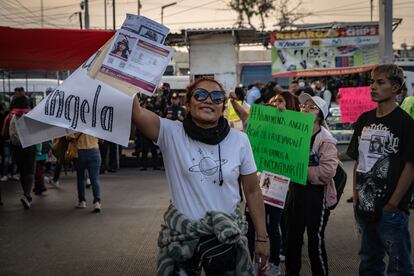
x: 201, y: 94
x: 309, y: 106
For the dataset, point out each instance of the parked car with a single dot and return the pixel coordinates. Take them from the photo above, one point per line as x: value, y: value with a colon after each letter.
x: 341, y: 131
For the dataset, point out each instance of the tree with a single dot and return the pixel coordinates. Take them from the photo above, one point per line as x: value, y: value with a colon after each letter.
x: 247, y: 9
x: 285, y: 16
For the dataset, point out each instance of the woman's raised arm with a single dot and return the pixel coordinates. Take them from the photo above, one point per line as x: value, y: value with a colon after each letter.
x: 147, y: 121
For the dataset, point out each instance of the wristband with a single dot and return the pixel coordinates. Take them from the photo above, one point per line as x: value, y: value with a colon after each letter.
x: 262, y: 237
x: 261, y: 240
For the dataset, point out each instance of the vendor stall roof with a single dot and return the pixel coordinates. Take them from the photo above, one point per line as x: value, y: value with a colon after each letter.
x: 48, y: 49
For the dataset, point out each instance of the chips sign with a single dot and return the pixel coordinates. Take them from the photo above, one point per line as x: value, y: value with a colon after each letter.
x: 325, y: 52
x: 281, y: 141
x: 354, y: 101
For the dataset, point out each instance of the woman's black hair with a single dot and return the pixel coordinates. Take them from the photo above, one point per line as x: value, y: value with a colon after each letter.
x: 306, y: 90
x: 240, y: 93
x: 321, y: 118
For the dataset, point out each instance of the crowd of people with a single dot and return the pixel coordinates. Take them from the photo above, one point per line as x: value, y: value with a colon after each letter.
x: 204, y: 228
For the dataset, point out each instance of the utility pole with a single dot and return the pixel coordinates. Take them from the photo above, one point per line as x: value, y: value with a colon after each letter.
x: 139, y: 7
x: 106, y: 25
x: 162, y: 10
x: 372, y: 8
x: 385, y: 30
x: 41, y: 14
x: 113, y: 14
x: 86, y: 14
x: 80, y: 19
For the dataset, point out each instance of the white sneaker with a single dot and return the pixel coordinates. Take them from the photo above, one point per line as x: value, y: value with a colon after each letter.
x: 274, y: 270
x: 97, y: 207
x: 81, y: 205
x: 55, y: 183
x: 4, y: 178
x: 15, y: 177
x: 282, y: 257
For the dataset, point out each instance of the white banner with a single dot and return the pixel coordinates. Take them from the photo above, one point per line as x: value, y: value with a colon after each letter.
x: 327, y: 42
x: 80, y: 104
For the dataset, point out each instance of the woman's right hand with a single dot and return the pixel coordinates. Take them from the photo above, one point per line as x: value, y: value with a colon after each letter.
x: 233, y: 96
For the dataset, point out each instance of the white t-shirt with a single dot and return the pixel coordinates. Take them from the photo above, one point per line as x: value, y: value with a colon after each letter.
x: 192, y: 169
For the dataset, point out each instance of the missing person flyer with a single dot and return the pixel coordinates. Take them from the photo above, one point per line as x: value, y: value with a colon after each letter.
x: 274, y: 188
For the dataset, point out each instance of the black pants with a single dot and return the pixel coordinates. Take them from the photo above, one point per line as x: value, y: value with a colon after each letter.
x: 273, y: 215
x: 26, y: 163
x: 148, y: 145
x: 306, y: 210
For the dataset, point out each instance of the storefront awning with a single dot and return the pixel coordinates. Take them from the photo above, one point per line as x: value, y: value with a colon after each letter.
x: 48, y: 49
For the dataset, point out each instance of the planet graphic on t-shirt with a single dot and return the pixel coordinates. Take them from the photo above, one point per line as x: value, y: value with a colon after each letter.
x: 207, y: 166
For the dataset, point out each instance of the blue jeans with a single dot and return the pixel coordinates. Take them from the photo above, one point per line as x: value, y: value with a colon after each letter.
x: 388, y: 236
x: 6, y: 159
x: 88, y: 159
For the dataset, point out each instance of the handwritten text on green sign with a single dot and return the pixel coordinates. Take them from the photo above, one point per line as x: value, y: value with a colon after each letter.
x: 281, y: 141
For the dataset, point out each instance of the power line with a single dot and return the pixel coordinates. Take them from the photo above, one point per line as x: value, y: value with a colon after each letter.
x: 192, y: 8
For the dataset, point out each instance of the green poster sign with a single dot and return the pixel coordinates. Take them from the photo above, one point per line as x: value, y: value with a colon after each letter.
x: 280, y: 141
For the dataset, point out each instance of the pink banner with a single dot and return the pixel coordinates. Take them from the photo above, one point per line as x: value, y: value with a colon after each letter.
x: 354, y: 101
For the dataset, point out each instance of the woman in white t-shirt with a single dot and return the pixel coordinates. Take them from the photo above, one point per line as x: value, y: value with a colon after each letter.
x: 204, y: 159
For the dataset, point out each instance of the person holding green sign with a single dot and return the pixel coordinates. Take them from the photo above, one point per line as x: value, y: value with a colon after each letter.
x: 307, y: 206
x: 282, y: 101
x: 204, y: 160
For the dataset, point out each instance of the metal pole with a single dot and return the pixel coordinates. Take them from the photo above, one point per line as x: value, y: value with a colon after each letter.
x: 80, y: 20
x: 106, y: 25
x: 41, y: 14
x: 139, y: 7
x: 86, y: 14
x: 162, y: 10
x: 113, y: 14
x: 385, y: 30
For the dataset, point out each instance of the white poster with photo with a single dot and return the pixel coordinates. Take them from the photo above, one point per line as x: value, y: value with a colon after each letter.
x: 371, y: 147
x: 274, y: 188
x: 146, y: 27
x: 136, y: 60
x: 80, y: 104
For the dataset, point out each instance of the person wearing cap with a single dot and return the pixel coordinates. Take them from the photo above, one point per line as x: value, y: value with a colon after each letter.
x: 175, y: 111
x: 383, y: 177
x: 307, y: 206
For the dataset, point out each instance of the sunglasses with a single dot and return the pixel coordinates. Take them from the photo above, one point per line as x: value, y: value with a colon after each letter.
x: 201, y: 94
x: 309, y: 106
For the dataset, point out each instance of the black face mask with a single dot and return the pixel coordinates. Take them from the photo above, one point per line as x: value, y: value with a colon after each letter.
x: 210, y: 136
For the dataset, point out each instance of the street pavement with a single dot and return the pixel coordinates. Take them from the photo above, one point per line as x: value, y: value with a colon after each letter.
x: 55, y: 238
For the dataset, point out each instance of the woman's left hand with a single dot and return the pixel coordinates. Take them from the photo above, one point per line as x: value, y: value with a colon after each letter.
x: 262, y: 254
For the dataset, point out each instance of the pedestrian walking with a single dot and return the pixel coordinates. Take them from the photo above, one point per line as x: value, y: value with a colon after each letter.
x: 25, y: 157
x: 89, y: 158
